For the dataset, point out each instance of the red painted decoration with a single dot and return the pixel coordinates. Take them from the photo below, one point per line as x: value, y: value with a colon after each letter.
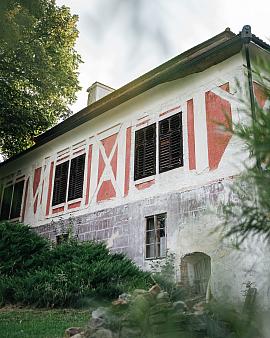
x: 25, y: 199
x: 114, y: 161
x: 35, y: 204
x: 108, y: 143
x: 260, y: 95
x: 145, y: 185
x: 49, y: 190
x: 169, y: 111
x: 56, y: 210
x: 74, y: 205
x: 127, y: 164
x: 37, y: 175
x: 106, y: 191
x: 218, y: 112
x: 88, y: 173
x: 191, y: 134
x: 42, y: 188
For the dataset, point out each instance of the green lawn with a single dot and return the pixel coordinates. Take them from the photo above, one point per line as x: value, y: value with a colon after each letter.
x: 37, y: 323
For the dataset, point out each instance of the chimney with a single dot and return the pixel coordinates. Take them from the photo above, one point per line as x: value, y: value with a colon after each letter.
x: 96, y: 91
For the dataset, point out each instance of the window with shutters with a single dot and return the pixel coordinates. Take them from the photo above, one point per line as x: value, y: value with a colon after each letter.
x: 145, y: 152
x: 155, y: 236
x: 76, y: 177
x: 170, y: 143
x: 170, y: 151
x: 68, y: 180
x: 12, y: 201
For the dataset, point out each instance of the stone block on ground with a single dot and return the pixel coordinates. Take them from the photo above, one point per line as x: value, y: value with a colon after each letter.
x: 72, y: 331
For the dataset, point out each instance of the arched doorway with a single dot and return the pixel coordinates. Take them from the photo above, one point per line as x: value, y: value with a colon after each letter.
x: 195, y: 272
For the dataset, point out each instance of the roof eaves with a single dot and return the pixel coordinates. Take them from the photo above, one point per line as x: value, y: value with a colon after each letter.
x: 160, y: 74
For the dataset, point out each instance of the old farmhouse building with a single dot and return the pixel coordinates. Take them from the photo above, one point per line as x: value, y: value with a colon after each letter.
x: 146, y: 166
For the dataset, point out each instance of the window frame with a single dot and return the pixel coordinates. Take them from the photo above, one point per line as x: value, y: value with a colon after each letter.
x: 157, y: 244
x: 158, y: 170
x: 67, y: 200
x: 169, y: 136
x: 12, y: 183
x: 136, y: 145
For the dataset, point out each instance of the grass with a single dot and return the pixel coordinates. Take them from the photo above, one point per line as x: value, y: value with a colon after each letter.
x: 38, y: 323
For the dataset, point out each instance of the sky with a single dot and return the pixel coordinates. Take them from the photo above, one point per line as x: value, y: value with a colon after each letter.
x: 120, y: 40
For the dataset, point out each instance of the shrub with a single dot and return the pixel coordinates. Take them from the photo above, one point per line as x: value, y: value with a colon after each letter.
x: 64, y: 274
x: 20, y: 248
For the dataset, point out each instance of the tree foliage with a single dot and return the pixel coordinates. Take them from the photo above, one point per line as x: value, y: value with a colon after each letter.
x: 248, y: 211
x: 38, y: 69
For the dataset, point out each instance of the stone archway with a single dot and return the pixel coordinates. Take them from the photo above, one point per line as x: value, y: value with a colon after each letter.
x: 195, y: 272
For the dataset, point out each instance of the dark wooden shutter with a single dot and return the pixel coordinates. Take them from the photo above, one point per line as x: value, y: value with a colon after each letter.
x: 17, y: 200
x: 76, y: 177
x: 145, y: 152
x: 60, y: 183
x: 170, y: 143
x: 6, y: 202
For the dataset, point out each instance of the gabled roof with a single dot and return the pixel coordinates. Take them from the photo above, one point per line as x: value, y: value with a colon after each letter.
x: 206, y: 54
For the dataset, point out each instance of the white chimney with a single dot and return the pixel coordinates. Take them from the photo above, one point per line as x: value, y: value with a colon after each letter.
x: 96, y: 91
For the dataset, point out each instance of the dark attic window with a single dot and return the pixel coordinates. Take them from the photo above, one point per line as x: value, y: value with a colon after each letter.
x: 68, y: 180
x: 170, y: 143
x: 12, y: 201
x: 145, y: 152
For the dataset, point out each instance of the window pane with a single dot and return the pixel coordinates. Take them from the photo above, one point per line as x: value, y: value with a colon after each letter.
x: 17, y: 200
x: 6, y: 202
x: 150, y: 223
x: 150, y: 237
x: 156, y: 236
x: 150, y: 251
x: 76, y: 178
x: 170, y: 143
x: 60, y: 183
x: 161, y: 219
x: 145, y: 152
x: 161, y: 247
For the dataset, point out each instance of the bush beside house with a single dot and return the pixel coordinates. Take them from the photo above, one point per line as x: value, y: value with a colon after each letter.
x: 33, y: 272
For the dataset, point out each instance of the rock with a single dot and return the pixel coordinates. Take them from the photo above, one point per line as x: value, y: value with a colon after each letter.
x: 96, y: 322
x: 199, y: 308
x: 78, y: 335
x: 100, y: 312
x: 125, y: 296
x: 103, y: 333
x: 137, y: 292
x: 127, y: 332
x: 119, y: 302
x: 180, y: 306
x: 154, y: 290
x: 163, y: 297
x: 72, y: 331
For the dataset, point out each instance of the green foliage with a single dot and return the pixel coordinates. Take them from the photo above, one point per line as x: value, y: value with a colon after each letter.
x: 164, y: 274
x: 248, y: 210
x: 20, y: 248
x: 63, y: 275
x: 38, y: 69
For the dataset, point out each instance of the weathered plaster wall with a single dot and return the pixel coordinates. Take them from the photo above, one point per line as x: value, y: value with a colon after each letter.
x: 108, y: 142
x: 191, y: 220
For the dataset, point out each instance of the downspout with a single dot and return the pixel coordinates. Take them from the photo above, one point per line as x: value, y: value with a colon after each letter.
x: 246, y: 37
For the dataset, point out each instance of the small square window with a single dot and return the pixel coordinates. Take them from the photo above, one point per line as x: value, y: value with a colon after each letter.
x: 155, y: 236
x: 61, y: 238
